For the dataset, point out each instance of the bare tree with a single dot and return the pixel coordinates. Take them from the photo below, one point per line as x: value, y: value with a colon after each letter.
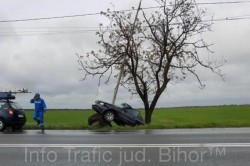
x: 161, y: 48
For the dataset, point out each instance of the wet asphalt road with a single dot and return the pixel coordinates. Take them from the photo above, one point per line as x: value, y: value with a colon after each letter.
x: 227, y: 147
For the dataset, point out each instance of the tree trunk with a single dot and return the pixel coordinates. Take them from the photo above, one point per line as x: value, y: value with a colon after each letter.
x: 148, y: 116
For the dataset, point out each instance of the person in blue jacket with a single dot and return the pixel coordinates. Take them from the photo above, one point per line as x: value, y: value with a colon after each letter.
x: 40, y: 109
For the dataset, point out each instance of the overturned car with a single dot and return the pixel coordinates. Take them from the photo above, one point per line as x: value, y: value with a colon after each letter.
x: 107, y: 113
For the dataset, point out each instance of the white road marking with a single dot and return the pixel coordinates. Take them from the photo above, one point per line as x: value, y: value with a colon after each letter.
x: 125, y: 145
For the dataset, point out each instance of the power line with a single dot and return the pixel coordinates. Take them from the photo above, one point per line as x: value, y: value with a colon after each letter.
x: 84, y: 31
x: 234, y: 18
x: 230, y: 19
x: 47, y: 33
x: 221, y: 3
x: 48, y: 18
x: 96, y: 28
x: 49, y: 27
x: 99, y: 13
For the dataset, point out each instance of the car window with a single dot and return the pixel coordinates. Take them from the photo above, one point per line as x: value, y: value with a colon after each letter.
x: 132, y: 112
x: 15, y: 106
x: 125, y: 106
x: 3, y: 106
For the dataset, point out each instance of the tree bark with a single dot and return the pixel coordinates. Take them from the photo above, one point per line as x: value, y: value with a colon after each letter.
x: 148, y: 116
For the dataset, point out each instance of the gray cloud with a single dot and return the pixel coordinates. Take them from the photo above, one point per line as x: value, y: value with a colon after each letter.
x: 48, y: 64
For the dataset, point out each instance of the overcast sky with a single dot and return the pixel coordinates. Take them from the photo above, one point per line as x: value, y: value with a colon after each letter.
x: 41, y: 55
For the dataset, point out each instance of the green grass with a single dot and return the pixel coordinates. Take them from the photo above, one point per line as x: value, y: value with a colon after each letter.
x: 61, y: 119
x: 163, y: 118
x: 201, y: 117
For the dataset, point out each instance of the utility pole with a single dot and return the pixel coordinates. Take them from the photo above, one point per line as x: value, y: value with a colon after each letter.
x: 124, y: 60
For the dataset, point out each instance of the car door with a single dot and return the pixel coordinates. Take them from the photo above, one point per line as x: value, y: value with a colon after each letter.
x: 130, y: 116
x: 3, y: 108
x: 123, y: 116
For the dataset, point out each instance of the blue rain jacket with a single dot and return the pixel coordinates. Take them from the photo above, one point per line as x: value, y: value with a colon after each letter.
x: 40, y: 105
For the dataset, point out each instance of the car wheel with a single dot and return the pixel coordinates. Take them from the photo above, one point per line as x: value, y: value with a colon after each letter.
x: 2, y: 125
x: 109, y: 116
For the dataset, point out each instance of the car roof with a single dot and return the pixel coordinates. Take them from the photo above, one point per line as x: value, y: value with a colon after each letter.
x: 6, y: 101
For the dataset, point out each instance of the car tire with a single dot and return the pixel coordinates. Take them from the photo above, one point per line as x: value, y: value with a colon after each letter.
x: 109, y: 116
x: 2, y: 125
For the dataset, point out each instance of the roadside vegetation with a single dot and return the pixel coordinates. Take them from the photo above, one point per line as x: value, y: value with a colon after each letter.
x: 163, y: 118
x: 152, y: 49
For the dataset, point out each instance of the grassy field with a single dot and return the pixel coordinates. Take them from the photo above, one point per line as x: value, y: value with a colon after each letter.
x: 163, y: 118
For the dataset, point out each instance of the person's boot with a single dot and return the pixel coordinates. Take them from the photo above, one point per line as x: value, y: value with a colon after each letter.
x: 38, y: 122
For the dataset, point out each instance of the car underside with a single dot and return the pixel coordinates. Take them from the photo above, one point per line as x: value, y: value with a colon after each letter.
x: 121, y: 115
